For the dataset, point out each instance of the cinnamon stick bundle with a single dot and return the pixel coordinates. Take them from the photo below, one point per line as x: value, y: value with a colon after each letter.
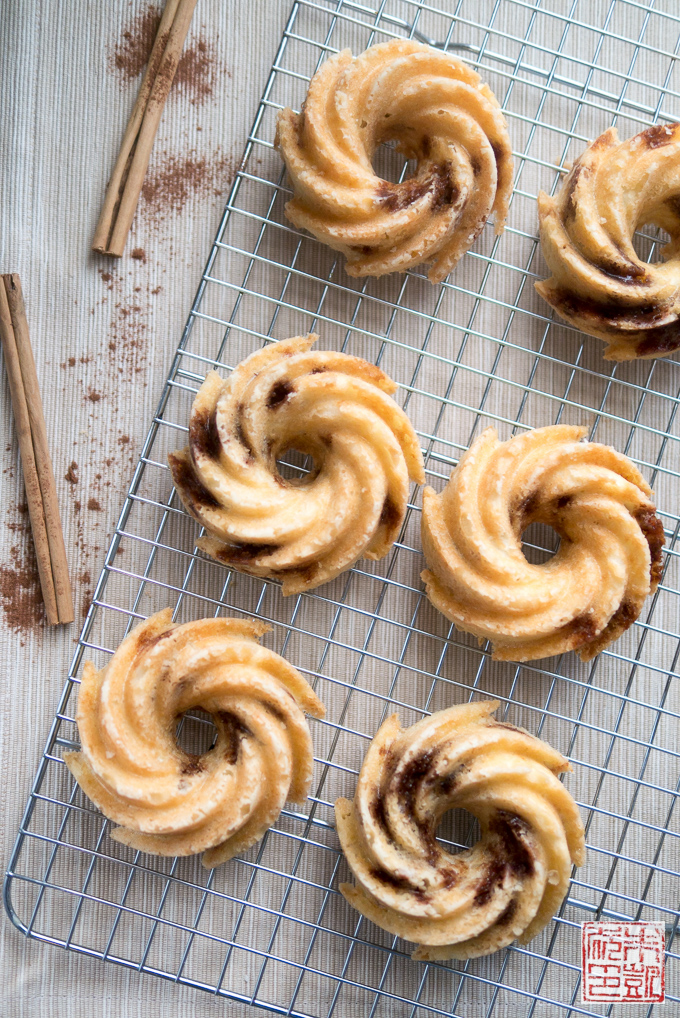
x: 125, y: 185
x: 41, y: 492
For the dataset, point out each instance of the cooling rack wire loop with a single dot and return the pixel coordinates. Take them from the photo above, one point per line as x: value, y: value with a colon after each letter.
x: 481, y: 349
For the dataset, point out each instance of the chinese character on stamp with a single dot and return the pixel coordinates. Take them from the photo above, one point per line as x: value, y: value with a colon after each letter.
x: 623, y: 961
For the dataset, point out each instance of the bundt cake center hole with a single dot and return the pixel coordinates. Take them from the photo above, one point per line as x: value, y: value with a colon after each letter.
x: 457, y: 830
x: 540, y: 543
x: 195, y: 733
x: 648, y: 240
x: 392, y: 165
x: 296, y: 467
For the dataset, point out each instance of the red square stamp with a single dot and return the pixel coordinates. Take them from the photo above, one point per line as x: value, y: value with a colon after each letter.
x: 623, y: 961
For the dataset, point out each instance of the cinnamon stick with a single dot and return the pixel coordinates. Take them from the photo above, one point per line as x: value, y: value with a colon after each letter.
x: 125, y: 185
x: 41, y: 452
x: 31, y: 482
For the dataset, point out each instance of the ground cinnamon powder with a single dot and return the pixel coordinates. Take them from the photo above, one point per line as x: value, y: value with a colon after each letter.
x: 20, y: 594
x: 196, y: 71
x: 169, y: 185
x: 130, y: 54
x: 198, y: 66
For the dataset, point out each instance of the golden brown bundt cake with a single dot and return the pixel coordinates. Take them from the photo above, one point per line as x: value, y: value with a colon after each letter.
x: 440, y: 115
x: 590, y: 591
x: 599, y: 283
x: 473, y: 902
x: 330, y: 405
x: 169, y: 802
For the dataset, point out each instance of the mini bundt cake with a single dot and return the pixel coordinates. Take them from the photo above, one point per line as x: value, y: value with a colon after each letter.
x: 440, y: 115
x: 169, y: 802
x: 590, y: 591
x: 332, y: 406
x: 477, y: 901
x: 599, y: 283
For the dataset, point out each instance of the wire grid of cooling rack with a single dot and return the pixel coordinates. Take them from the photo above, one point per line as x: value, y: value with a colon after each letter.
x: 270, y: 927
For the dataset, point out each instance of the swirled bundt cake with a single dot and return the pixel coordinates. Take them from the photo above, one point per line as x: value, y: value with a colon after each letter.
x: 169, y: 802
x: 476, y: 901
x: 440, y: 115
x: 590, y: 591
x: 599, y: 283
x: 332, y: 406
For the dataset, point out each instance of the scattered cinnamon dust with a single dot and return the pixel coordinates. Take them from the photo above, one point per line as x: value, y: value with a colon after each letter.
x: 104, y: 461
x: 169, y: 185
x: 130, y: 310
x: 197, y: 70
x: 128, y: 332
x: 71, y: 361
x: 20, y: 594
x: 85, y: 579
x: 131, y: 53
x: 198, y: 67
x: 21, y: 525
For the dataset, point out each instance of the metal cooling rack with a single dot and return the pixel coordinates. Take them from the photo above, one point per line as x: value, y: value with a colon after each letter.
x: 270, y: 928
